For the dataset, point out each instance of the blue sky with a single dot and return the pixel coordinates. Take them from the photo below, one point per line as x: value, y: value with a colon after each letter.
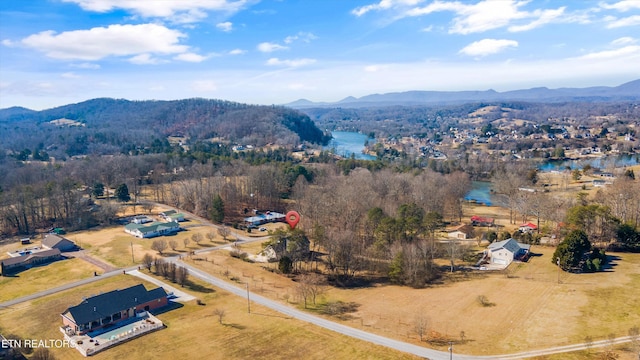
x: 56, y: 52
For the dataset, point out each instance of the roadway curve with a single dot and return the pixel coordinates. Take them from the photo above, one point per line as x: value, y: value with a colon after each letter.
x: 377, y: 339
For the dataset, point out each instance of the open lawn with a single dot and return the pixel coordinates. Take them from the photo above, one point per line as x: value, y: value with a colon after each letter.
x: 41, y: 278
x: 527, y: 309
x: 114, y: 246
x: 193, y: 331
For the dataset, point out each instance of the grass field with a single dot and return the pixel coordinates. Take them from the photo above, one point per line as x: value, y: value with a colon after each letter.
x: 44, y: 277
x: 530, y: 309
x: 193, y: 332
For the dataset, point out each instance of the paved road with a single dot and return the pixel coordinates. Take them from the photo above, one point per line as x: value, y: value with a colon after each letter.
x: 377, y: 339
x: 64, y: 287
x: 303, y: 316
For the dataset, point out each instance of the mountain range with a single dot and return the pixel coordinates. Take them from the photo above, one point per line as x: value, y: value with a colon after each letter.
x: 629, y: 91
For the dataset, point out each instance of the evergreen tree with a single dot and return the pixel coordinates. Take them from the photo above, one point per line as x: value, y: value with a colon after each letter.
x: 122, y: 193
x: 572, y: 250
x: 217, y: 210
x: 98, y: 189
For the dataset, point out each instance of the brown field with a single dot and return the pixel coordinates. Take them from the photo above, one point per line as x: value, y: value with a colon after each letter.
x: 193, y: 332
x: 531, y: 310
x: 44, y: 277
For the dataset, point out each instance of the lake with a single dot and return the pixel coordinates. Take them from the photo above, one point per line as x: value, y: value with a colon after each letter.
x: 603, y: 163
x: 346, y: 143
x: 480, y: 193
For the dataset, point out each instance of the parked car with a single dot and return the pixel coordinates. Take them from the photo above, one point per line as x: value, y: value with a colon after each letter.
x: 263, y: 229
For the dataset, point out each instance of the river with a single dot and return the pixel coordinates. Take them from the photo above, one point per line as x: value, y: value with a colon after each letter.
x: 346, y: 143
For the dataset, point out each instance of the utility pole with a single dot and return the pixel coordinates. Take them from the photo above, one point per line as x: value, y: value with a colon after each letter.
x: 248, y: 301
x: 133, y: 260
x: 558, y: 262
x: 450, y: 350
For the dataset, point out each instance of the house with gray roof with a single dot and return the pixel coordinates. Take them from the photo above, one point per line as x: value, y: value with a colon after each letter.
x: 110, y: 308
x: 28, y: 260
x: 504, y: 252
x: 53, y: 241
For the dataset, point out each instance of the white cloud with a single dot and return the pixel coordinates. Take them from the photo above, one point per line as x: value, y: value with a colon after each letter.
x: 203, y: 86
x: 144, y: 59
x: 624, y: 5
x: 624, y: 41
x: 487, y: 15
x: 8, y: 43
x: 487, y: 47
x: 70, y: 75
x: 626, y: 51
x: 623, y: 22
x: 270, y: 47
x: 237, y: 52
x: 190, y: 57
x: 301, y: 36
x: 374, y: 68
x: 179, y: 11
x: 101, y: 42
x: 290, y: 63
x: 479, y: 17
x: 428, y: 28
x: 89, y: 66
x: 226, y: 26
x: 545, y: 17
x: 383, y: 5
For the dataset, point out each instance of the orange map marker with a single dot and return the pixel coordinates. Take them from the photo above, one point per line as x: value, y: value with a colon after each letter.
x: 292, y: 218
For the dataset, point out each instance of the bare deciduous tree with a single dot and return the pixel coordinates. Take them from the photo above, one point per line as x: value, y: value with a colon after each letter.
x: 197, y: 238
x: 147, y: 261
x: 421, y: 325
x: 148, y: 207
x: 159, y: 245
x: 224, y: 232
x: 173, y: 244
x: 219, y: 313
x: 182, y: 275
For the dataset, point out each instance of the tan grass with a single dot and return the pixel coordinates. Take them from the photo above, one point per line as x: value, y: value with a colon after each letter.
x: 45, y: 277
x: 193, y: 332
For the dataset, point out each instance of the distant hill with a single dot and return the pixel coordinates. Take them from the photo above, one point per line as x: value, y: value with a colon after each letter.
x: 118, y: 125
x: 626, y: 92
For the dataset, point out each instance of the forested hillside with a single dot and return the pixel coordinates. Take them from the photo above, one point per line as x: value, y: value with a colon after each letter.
x: 111, y: 126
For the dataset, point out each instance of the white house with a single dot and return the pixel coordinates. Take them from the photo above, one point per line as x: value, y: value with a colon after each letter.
x: 172, y: 215
x: 152, y: 230
x: 504, y: 252
x: 141, y: 219
x: 461, y: 232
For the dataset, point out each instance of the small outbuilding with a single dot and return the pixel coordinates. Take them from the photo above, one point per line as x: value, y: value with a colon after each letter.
x: 528, y: 227
x: 482, y: 221
x: 461, y: 232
